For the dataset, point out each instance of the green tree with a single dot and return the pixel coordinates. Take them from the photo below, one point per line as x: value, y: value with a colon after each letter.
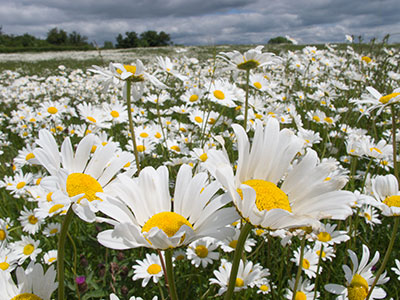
x: 76, y: 39
x: 57, y: 36
x: 130, y: 40
x: 279, y: 40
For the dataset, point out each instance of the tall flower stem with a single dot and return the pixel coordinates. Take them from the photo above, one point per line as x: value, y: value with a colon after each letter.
x: 321, y: 251
x: 170, y: 274
x: 396, y: 170
x: 298, y: 275
x: 244, y: 232
x: 61, y: 252
x: 162, y: 129
x: 129, y: 106
x: 387, y: 255
x: 246, y: 104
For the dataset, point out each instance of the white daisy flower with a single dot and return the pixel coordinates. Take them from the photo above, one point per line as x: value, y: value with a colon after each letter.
x: 149, y: 268
x: 329, y: 236
x: 201, y: 252
x: 29, y: 221
x: 50, y: 257
x: 309, y: 263
x: 27, y: 247
x: 396, y: 269
x: 305, y: 290
x: 385, y: 190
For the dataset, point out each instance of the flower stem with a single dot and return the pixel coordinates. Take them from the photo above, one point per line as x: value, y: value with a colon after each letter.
x: 170, y: 274
x: 298, y: 275
x: 246, y: 105
x: 244, y: 232
x: 61, y: 252
x: 387, y: 255
x: 396, y: 170
x: 321, y: 251
x: 128, y: 103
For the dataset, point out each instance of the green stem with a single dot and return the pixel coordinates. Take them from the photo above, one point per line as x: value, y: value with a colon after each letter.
x: 170, y: 274
x: 244, y: 232
x: 75, y: 263
x: 246, y: 105
x: 387, y: 255
x: 298, y: 275
x: 396, y: 171
x: 128, y: 103
x: 318, y: 268
x: 162, y: 129
x: 61, y: 252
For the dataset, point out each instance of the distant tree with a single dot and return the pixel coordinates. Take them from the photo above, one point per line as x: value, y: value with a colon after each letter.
x: 164, y: 39
x: 76, y: 39
x: 108, y: 45
x: 149, y: 38
x: 57, y: 36
x: 279, y: 40
x: 130, y: 40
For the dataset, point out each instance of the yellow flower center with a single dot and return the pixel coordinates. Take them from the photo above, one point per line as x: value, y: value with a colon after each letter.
x: 260, y: 231
x: 4, y: 265
x: 257, y: 85
x: 319, y: 252
x: 176, y: 148
x: 268, y: 195
x: 305, y: 264
x: 114, y: 114
x: 48, y: 197
x: 366, y: 59
x: 21, y: 184
x: 32, y: 219
x: 324, y: 237
x: 91, y: 119
x: 358, y: 289
x: 26, y: 296
x: 144, y: 135
x: 203, y: 157
x: 2, y: 235
x: 154, y: 269
x: 54, y: 208
x: 300, y: 296
x: 392, y: 201
x: 78, y: 183
x: 316, y: 118
x: 328, y: 120
x: 52, y: 110
x: 51, y: 259
x: 201, y: 251
x: 368, y: 216
x: 264, y: 288
x: 219, y: 94
x: 29, y: 156
x: 169, y: 222
x: 239, y: 282
x: 193, y: 98
x: 141, y: 148
x: 233, y: 244
x: 28, y: 249
x: 387, y: 98
x: 198, y: 119
x: 248, y: 64
x: 157, y: 135
x: 54, y: 231
x: 375, y: 149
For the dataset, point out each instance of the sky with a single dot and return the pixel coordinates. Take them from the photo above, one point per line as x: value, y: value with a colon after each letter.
x: 207, y: 22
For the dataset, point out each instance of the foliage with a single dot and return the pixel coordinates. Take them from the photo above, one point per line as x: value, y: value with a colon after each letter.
x: 279, y: 40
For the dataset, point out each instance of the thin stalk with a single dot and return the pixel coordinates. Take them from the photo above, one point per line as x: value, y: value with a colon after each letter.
x: 246, y: 105
x: 129, y: 106
x: 318, y: 268
x: 162, y: 129
x: 298, y: 275
x: 170, y: 274
x: 61, y: 252
x: 396, y: 170
x: 244, y: 232
x: 387, y: 255
x: 75, y: 263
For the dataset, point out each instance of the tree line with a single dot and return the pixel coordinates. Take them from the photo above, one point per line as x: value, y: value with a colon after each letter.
x: 59, y: 38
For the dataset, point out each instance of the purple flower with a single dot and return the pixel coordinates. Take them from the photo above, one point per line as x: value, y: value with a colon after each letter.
x: 80, y: 280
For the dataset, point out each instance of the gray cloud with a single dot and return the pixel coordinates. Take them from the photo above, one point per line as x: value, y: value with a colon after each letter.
x: 206, y: 21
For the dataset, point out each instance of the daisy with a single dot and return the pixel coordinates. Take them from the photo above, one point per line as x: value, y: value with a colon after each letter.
x: 305, y: 290
x: 33, y: 283
x: 304, y: 196
x: 77, y: 178
x: 117, y: 111
x: 201, y: 252
x: 229, y: 244
x: 29, y: 221
x: 329, y: 236
x: 370, y: 215
x: 378, y: 100
x: 221, y: 92
x: 385, y: 190
x: 397, y: 268
x: 309, y: 263
x: 143, y: 216
x: 360, y: 279
x: 149, y: 268
x: 26, y: 247
x: 50, y: 257
x: 4, y: 236
x: 192, y: 96
x: 8, y: 260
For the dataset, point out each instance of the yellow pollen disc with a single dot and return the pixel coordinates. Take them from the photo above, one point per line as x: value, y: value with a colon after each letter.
x: 180, y: 257
x: 176, y: 148
x: 33, y: 120
x: 203, y: 157
x: 258, y: 116
x: 54, y: 231
x: 52, y: 110
x: 316, y: 118
x: 358, y: 289
x: 38, y: 181
x: 392, y: 201
x: 78, y: 183
x: 300, y: 296
x: 366, y: 59
x: 51, y: 259
x: 144, y: 135
x: 239, y: 282
x: 233, y: 244
x: 219, y: 95
x: 368, y: 216
x: 21, y: 184
x: 260, y: 231
x: 157, y: 135
x: 91, y: 119
x: 324, y: 237
x: 4, y: 265
x: 32, y: 219
x: 264, y: 288
x: 154, y: 269
x: 104, y: 143
x: 387, y: 98
x: 48, y: 197
x: 128, y: 68
x: 59, y: 128
x: 114, y: 114
x: 193, y: 98
x: 328, y: 120
x: 375, y: 149
x: 28, y: 249
x: 127, y: 164
x: 248, y: 64
x: 141, y: 148
x: 306, y: 264
x: 211, y: 121
x: 268, y: 195
x: 29, y: 156
x: 26, y: 296
x: 319, y: 252
x: 2, y: 235
x: 198, y: 119
x: 257, y: 85
x: 201, y: 251
x: 169, y: 222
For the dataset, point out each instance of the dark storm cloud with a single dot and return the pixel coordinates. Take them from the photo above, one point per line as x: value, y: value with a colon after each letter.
x: 206, y: 21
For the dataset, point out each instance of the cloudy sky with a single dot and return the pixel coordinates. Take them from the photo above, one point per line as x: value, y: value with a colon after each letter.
x: 207, y: 22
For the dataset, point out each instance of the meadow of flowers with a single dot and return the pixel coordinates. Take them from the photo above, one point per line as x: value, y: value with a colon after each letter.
x: 244, y: 175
